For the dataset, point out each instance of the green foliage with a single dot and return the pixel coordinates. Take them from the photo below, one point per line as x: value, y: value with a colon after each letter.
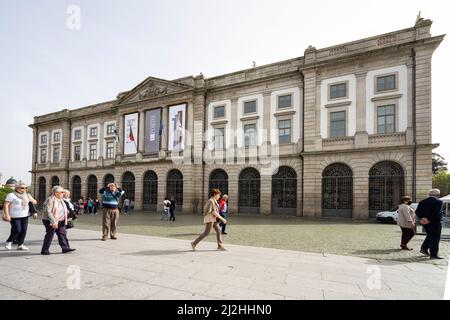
x: 438, y: 163
x: 3, y: 193
x: 441, y: 181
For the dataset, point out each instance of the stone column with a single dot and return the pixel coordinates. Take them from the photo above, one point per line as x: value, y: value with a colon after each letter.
x: 141, y: 139
x: 165, y: 137
x: 266, y: 194
x: 361, y: 136
x: 310, y: 125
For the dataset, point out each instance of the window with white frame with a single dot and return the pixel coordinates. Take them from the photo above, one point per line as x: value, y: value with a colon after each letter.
x: 44, y: 139
x: 77, y: 134
x: 337, y: 124
x: 219, y: 134
x: 219, y: 112
x: 110, y: 150
x: 56, y: 136
x: 386, y: 83
x: 77, y: 152
x: 250, y: 135
x: 250, y: 106
x: 386, y: 119
x: 93, y: 132
x: 56, y: 153
x: 110, y: 129
x: 43, y: 155
x: 284, y: 131
x: 285, y: 101
x: 338, y: 90
x: 93, y: 151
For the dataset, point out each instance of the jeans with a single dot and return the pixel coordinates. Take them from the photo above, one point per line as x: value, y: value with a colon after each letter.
x: 433, y: 230
x: 223, y: 225
x: 19, y: 228
x: 165, y: 214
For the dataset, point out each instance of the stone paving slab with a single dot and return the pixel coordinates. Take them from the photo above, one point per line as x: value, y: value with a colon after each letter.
x: 146, y: 267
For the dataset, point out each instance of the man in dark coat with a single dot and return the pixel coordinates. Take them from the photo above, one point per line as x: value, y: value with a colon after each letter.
x: 430, y: 213
x: 172, y: 209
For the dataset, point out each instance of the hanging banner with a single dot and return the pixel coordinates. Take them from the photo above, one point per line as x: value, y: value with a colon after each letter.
x: 177, y: 125
x: 153, y: 130
x: 131, y: 133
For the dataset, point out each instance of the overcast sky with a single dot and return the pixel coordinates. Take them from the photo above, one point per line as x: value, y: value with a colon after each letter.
x: 46, y: 66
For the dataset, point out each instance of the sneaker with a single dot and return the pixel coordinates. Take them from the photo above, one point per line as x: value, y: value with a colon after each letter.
x: 45, y: 253
x: 221, y: 248
x: 22, y: 247
x: 8, y: 245
x: 193, y: 246
x: 104, y: 238
x: 114, y: 237
x: 68, y: 250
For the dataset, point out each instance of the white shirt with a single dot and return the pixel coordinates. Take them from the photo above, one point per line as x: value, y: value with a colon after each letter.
x: 126, y: 202
x: 166, y: 203
x: 15, y: 207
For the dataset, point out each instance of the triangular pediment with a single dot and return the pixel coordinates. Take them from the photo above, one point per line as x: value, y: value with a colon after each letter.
x: 151, y: 88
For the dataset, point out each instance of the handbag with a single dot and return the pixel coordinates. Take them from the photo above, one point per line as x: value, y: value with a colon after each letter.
x: 32, y: 209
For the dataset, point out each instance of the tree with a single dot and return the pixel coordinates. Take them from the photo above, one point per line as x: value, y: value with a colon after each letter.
x: 3, y: 193
x: 441, y: 181
x: 438, y: 163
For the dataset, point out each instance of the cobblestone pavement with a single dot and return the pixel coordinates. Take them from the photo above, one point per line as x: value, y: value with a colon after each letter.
x: 148, y: 267
x: 367, y: 239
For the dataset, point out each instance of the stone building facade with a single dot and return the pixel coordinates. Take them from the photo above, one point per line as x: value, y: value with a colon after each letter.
x: 341, y: 131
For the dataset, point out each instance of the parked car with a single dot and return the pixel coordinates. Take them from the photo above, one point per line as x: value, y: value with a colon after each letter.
x: 391, y: 215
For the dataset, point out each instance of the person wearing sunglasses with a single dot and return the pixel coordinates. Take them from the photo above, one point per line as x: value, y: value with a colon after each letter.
x: 17, y: 212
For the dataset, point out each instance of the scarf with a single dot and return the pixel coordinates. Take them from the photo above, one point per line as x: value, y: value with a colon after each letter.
x: 24, y: 198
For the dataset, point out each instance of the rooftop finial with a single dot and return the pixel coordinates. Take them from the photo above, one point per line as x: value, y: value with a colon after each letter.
x: 254, y: 64
x: 419, y: 17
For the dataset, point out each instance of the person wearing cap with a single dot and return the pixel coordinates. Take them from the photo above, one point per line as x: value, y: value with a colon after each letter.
x: 223, y: 211
x: 16, y: 211
x: 111, y: 197
x: 55, y: 221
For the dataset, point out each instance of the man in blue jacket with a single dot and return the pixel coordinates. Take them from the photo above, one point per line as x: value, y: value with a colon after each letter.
x: 111, y: 197
x: 430, y: 213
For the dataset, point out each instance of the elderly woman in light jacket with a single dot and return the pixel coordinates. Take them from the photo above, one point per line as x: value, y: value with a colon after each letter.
x: 211, y: 215
x: 407, y: 221
x: 55, y: 220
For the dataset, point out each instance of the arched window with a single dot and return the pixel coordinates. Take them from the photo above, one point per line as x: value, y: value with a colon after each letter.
x: 55, y: 181
x: 76, y: 188
x: 284, y: 191
x: 92, y: 187
x: 128, y: 185
x: 150, y: 195
x: 386, y: 186
x: 175, y: 186
x: 42, y: 195
x: 249, y: 191
x: 337, y: 191
x: 218, y: 179
x: 109, y: 178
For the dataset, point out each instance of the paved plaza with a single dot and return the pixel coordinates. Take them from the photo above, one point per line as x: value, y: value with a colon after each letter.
x: 147, y: 267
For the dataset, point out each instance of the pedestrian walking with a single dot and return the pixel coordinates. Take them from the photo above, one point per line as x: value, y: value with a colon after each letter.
x: 126, y: 205
x: 166, y: 210
x: 90, y: 205
x: 430, y: 213
x: 55, y: 220
x: 211, y: 214
x: 172, y: 209
x: 111, y: 197
x: 223, y: 211
x: 407, y: 221
x: 16, y: 211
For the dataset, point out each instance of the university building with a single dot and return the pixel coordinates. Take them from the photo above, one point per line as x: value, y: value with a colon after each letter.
x: 343, y: 131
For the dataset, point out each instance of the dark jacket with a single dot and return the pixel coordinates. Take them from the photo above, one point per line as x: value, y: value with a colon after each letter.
x: 430, y: 208
x: 172, y: 205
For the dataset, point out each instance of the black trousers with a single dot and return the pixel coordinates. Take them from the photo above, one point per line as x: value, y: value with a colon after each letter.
x: 407, y: 235
x: 431, y: 242
x: 172, y: 215
x: 61, y: 232
x: 19, y: 228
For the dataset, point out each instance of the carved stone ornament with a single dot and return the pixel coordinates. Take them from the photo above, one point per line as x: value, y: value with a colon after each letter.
x: 152, y: 91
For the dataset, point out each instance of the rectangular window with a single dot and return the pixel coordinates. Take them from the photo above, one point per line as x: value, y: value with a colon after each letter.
x: 219, y: 112
x: 386, y: 119
x: 386, y: 83
x: 250, y: 135
x: 110, y: 129
x: 43, y: 155
x: 77, y: 135
x: 44, y: 139
x: 93, y: 132
x: 77, y: 153
x: 285, y: 101
x: 219, y: 134
x: 250, y: 106
x: 93, y: 151
x: 337, y: 124
x: 284, y: 131
x: 110, y: 150
x: 56, y: 154
x: 338, y: 90
x: 56, y: 137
